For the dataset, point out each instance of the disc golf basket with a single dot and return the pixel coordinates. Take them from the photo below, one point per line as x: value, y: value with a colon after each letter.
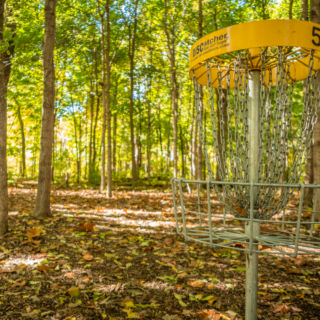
x: 254, y: 67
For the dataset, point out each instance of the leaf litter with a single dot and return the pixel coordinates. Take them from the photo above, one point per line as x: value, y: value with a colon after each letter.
x: 122, y: 259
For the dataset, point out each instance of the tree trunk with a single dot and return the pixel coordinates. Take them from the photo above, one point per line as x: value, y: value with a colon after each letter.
x: 182, y: 151
x: 168, y: 146
x: 194, y: 150
x: 42, y: 207
x: 104, y: 106
x: 80, y: 148
x: 290, y: 9
x: 94, y: 150
x: 171, y: 39
x: 23, y: 138
x: 160, y: 136
x: 149, y: 140
x: 305, y: 10
x: 114, y: 151
x: 91, y: 130
x: 94, y: 157
x: 133, y: 155
x: 115, y: 118
x: 200, y: 34
x: 109, y: 139
x: 131, y: 54
x: 3, y: 134
x: 52, y: 166
x: 315, y: 17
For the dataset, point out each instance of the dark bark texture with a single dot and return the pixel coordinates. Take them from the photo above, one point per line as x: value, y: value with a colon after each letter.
x: 5, y: 70
x: 3, y: 135
x: 42, y: 207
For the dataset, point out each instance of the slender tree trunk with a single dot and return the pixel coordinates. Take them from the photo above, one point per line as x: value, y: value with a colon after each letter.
x: 114, y: 151
x: 52, y: 167
x: 94, y: 157
x: 200, y: 35
x: 149, y: 141
x: 139, y: 142
x: 115, y: 124
x: 168, y: 146
x: 42, y: 207
x: 133, y: 155
x: 94, y: 151
x: 182, y: 151
x: 109, y: 139
x: 305, y: 10
x: 23, y: 138
x: 194, y: 150
x: 171, y: 39
x: 80, y: 149
x: 290, y: 9
x: 3, y: 133
x: 131, y: 54
x: 160, y: 136
x: 91, y: 130
x: 315, y: 17
x: 104, y: 105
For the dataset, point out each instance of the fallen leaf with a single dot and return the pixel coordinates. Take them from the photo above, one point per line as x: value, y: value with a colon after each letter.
x: 293, y: 271
x: 209, y: 314
x: 87, y: 256
x: 296, y: 309
x: 43, y: 268
x: 18, y: 284
x: 70, y: 275
x: 300, y: 261
x: 196, y: 284
x: 86, y: 226
x: 169, y: 240
x: 283, y: 309
x: 55, y: 286
x: 74, y: 291
x: 35, y: 232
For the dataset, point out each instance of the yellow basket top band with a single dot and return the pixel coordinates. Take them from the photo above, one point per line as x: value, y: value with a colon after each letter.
x: 254, y: 36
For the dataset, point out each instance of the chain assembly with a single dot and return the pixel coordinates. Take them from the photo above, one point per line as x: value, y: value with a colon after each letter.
x: 231, y: 139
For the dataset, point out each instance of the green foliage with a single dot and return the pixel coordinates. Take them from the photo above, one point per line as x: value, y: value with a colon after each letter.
x: 78, y: 69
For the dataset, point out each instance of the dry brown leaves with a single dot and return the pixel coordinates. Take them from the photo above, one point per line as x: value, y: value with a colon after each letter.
x: 169, y: 241
x: 35, y: 232
x: 86, y: 226
x: 18, y: 284
x: 301, y: 261
x: 70, y: 275
x: 87, y: 256
x: 292, y: 271
x: 283, y: 309
x: 209, y: 315
x: 14, y: 269
x: 43, y: 268
x: 196, y: 284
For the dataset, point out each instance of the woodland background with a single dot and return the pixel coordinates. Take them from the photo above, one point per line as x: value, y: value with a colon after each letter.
x: 79, y: 71
x: 108, y: 82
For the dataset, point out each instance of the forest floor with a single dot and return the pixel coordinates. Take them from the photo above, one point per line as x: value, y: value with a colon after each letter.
x: 121, y: 258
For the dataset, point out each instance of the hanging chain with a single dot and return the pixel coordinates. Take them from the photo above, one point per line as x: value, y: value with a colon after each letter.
x: 275, y: 123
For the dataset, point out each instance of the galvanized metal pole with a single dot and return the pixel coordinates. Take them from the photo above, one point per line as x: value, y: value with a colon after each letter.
x: 252, y: 230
